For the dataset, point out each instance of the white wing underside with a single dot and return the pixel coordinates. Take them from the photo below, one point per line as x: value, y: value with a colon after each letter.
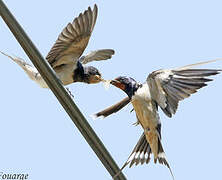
x: 168, y: 87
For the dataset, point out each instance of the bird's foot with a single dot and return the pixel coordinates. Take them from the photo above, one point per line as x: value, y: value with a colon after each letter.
x: 69, y: 92
x: 136, y: 123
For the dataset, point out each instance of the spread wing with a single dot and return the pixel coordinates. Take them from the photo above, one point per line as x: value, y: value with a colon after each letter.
x: 73, y: 39
x: 168, y: 87
x: 113, y: 109
x: 98, y: 55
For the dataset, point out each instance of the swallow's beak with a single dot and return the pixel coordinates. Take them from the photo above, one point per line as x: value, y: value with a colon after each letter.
x: 95, y: 79
x: 118, y: 84
x: 113, y: 82
x: 98, y: 78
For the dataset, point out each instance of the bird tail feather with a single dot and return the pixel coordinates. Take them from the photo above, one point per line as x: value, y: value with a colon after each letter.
x: 161, y: 157
x: 141, y: 154
x: 30, y: 70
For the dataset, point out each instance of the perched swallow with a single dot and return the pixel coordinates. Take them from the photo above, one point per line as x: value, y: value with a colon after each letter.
x: 65, y: 55
x: 163, y: 88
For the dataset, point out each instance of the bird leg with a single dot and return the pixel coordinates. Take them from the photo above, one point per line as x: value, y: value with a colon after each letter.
x: 69, y: 92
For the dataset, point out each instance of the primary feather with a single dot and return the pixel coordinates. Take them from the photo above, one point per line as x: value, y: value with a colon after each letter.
x: 73, y: 39
x: 168, y: 87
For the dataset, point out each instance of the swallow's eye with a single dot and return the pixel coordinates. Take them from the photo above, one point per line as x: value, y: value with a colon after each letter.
x: 121, y: 79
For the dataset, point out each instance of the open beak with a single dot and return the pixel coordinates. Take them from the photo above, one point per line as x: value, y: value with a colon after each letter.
x: 118, y: 84
x: 95, y: 79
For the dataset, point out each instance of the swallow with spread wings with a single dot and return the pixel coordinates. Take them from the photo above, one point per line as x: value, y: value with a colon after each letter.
x: 163, y: 88
x: 65, y: 57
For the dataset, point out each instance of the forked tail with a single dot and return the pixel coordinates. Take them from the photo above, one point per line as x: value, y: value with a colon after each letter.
x: 141, y: 154
x: 162, y: 157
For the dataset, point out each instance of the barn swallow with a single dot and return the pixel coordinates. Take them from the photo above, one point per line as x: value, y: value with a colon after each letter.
x: 65, y: 57
x: 163, y: 88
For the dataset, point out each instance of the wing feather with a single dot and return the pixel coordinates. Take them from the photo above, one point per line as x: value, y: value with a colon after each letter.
x: 73, y: 39
x: 113, y: 109
x: 168, y: 87
x: 98, y: 55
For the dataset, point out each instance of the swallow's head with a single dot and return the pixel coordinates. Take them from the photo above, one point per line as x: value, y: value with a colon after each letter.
x: 92, y: 75
x: 127, y: 84
x: 86, y: 74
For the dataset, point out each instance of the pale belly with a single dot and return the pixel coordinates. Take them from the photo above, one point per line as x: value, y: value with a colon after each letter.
x: 146, y: 114
x: 148, y: 118
x: 65, y: 78
x: 65, y: 75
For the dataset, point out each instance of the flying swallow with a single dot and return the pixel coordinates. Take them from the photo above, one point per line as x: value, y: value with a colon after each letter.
x: 65, y: 57
x: 163, y: 88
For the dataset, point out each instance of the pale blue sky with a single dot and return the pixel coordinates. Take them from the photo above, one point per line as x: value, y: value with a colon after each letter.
x: 38, y: 137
